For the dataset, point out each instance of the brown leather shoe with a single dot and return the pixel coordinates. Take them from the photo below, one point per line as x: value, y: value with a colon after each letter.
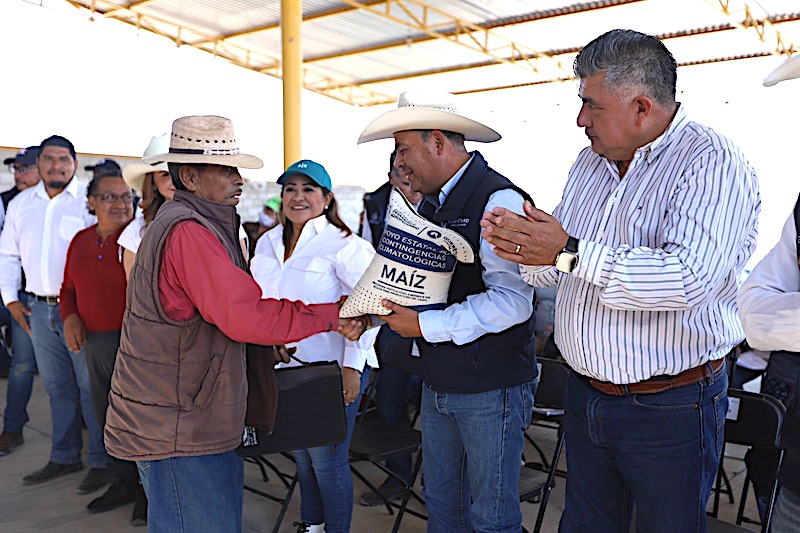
x: 10, y: 440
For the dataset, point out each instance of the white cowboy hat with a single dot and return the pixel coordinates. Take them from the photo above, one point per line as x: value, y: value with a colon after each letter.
x: 205, y: 139
x: 135, y: 173
x: 787, y: 70
x: 426, y: 110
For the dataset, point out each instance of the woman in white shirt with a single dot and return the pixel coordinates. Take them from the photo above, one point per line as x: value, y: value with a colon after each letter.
x: 155, y: 184
x: 312, y: 256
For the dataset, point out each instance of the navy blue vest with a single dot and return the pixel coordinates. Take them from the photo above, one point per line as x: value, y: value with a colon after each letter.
x: 496, y: 360
x: 375, y: 204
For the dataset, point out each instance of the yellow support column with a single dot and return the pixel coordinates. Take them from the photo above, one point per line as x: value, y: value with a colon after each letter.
x: 291, y: 31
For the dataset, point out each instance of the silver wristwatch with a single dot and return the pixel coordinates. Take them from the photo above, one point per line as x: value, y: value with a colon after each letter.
x: 567, y: 259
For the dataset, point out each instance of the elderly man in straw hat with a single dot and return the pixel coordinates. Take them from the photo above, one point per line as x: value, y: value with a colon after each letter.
x: 177, y: 401
x: 479, y: 367
x: 769, y: 301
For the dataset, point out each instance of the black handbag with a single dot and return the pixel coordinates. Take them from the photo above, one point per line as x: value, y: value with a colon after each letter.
x: 310, y: 411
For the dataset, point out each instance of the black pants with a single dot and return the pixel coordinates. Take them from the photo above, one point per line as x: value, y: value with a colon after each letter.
x: 101, y: 353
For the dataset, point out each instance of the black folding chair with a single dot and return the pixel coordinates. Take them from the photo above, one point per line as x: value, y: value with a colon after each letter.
x: 537, y: 479
x: 288, y: 481
x: 376, y: 440
x: 753, y: 420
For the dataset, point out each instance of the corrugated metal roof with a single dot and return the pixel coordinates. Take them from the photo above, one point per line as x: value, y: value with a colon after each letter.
x: 366, y: 52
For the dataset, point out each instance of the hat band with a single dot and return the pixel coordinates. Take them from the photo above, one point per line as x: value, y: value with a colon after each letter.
x: 207, y: 151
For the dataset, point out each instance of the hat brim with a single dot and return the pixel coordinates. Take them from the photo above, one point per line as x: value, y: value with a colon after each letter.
x: 238, y: 160
x: 135, y: 173
x: 9, y: 160
x: 424, y: 118
x: 788, y: 70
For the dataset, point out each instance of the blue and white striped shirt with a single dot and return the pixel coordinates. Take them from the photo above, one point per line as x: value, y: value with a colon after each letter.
x: 660, y: 251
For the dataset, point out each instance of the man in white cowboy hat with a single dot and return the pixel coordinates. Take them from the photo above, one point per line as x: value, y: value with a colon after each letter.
x: 657, y: 221
x: 769, y: 301
x: 177, y: 401
x: 478, y: 362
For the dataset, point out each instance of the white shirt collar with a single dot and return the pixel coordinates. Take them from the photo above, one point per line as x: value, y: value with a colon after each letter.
x: 72, y: 188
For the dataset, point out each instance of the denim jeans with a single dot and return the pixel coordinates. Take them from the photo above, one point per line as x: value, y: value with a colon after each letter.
x: 657, y: 452
x: 5, y: 320
x: 66, y: 380
x: 472, y: 449
x: 20, y: 375
x: 786, y: 516
x: 198, y: 494
x: 326, y: 484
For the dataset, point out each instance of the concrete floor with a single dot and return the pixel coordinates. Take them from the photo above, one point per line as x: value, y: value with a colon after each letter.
x: 56, y: 506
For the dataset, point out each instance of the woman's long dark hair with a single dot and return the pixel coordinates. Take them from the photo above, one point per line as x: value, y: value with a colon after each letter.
x: 331, y: 213
x: 152, y: 199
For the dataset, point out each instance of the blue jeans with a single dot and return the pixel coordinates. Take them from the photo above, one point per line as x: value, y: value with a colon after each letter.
x: 472, y: 450
x: 786, y: 516
x: 66, y: 380
x: 20, y: 375
x: 199, y: 494
x: 659, y: 452
x: 326, y: 484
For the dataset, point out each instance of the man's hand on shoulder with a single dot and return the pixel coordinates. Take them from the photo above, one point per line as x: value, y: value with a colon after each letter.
x: 534, y: 239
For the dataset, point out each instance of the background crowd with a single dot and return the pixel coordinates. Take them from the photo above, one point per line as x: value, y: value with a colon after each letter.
x: 136, y: 296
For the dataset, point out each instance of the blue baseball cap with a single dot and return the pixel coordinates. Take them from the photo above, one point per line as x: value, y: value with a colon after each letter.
x: 306, y: 167
x: 25, y: 157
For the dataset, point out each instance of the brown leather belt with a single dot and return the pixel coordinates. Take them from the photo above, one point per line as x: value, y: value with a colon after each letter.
x: 660, y: 383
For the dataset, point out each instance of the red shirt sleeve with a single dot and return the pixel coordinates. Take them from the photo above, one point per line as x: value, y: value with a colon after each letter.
x: 68, y: 300
x: 197, y: 275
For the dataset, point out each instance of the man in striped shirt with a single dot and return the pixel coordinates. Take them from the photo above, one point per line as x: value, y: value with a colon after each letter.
x: 657, y: 221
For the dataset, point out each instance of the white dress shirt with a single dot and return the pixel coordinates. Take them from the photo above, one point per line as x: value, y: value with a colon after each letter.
x: 654, y: 292
x: 769, y: 299
x: 506, y: 300
x: 36, y: 235
x: 324, y: 266
x: 131, y: 237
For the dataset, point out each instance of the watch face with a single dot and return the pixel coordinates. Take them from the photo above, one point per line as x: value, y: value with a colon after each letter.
x: 566, y: 262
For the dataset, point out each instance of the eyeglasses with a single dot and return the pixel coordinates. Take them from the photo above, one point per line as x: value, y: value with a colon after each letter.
x: 111, y: 197
x: 20, y: 169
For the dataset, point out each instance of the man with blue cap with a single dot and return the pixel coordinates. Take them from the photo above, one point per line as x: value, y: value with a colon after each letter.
x: 23, y: 364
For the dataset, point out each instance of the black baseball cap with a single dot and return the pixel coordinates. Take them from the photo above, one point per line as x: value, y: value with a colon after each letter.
x: 104, y: 167
x: 25, y: 156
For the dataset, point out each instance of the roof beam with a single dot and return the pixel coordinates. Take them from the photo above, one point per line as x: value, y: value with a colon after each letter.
x: 114, y: 12
x: 242, y: 57
x: 573, y: 50
x: 755, y: 20
x: 489, y: 25
x: 683, y: 64
x: 338, y: 10
x: 426, y: 19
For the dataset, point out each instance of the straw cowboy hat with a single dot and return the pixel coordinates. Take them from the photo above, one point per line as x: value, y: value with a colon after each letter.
x: 427, y: 110
x: 135, y: 172
x: 205, y: 139
x: 788, y: 70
